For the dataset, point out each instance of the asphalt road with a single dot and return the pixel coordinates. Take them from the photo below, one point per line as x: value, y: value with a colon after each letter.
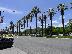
x: 40, y: 45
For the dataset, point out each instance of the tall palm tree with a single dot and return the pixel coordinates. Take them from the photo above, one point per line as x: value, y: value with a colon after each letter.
x: 19, y: 22
x: 17, y: 27
x: 35, y: 11
x: 41, y: 19
x: 30, y: 30
x: 24, y: 21
x: 51, y: 13
x: 27, y: 18
x: 31, y: 15
x: 61, y: 8
x: 45, y: 17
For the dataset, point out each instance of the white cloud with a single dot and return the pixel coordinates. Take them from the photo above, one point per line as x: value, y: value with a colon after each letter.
x: 55, y: 21
x: 59, y: 18
x: 39, y: 22
x: 59, y: 25
x: 66, y: 22
x: 10, y: 10
x: 2, y: 23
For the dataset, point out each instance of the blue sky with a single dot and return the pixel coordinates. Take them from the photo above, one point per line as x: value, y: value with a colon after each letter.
x: 23, y: 7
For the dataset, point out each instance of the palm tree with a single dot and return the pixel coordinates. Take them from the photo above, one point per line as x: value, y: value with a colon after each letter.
x: 17, y: 27
x: 45, y: 17
x: 24, y: 21
x: 51, y: 13
x: 41, y: 19
x: 35, y: 11
x: 61, y: 8
x: 19, y: 23
x: 30, y: 30
x: 12, y: 27
x: 31, y: 15
x: 27, y: 20
x: 27, y: 17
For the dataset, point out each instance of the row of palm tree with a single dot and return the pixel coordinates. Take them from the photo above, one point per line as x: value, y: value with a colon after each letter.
x: 34, y: 13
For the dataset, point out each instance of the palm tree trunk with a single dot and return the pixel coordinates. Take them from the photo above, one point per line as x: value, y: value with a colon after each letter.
x: 27, y: 22
x: 63, y: 25
x: 31, y: 19
x: 51, y: 24
x: 24, y: 23
x: 13, y: 29
x: 30, y: 30
x: 17, y: 28
x: 45, y: 27
x: 42, y: 25
x: 36, y: 23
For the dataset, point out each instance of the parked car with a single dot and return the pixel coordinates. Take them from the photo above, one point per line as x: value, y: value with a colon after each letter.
x: 6, y: 40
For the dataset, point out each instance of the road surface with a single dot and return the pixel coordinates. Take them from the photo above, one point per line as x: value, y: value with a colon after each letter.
x: 12, y: 50
x: 41, y: 45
